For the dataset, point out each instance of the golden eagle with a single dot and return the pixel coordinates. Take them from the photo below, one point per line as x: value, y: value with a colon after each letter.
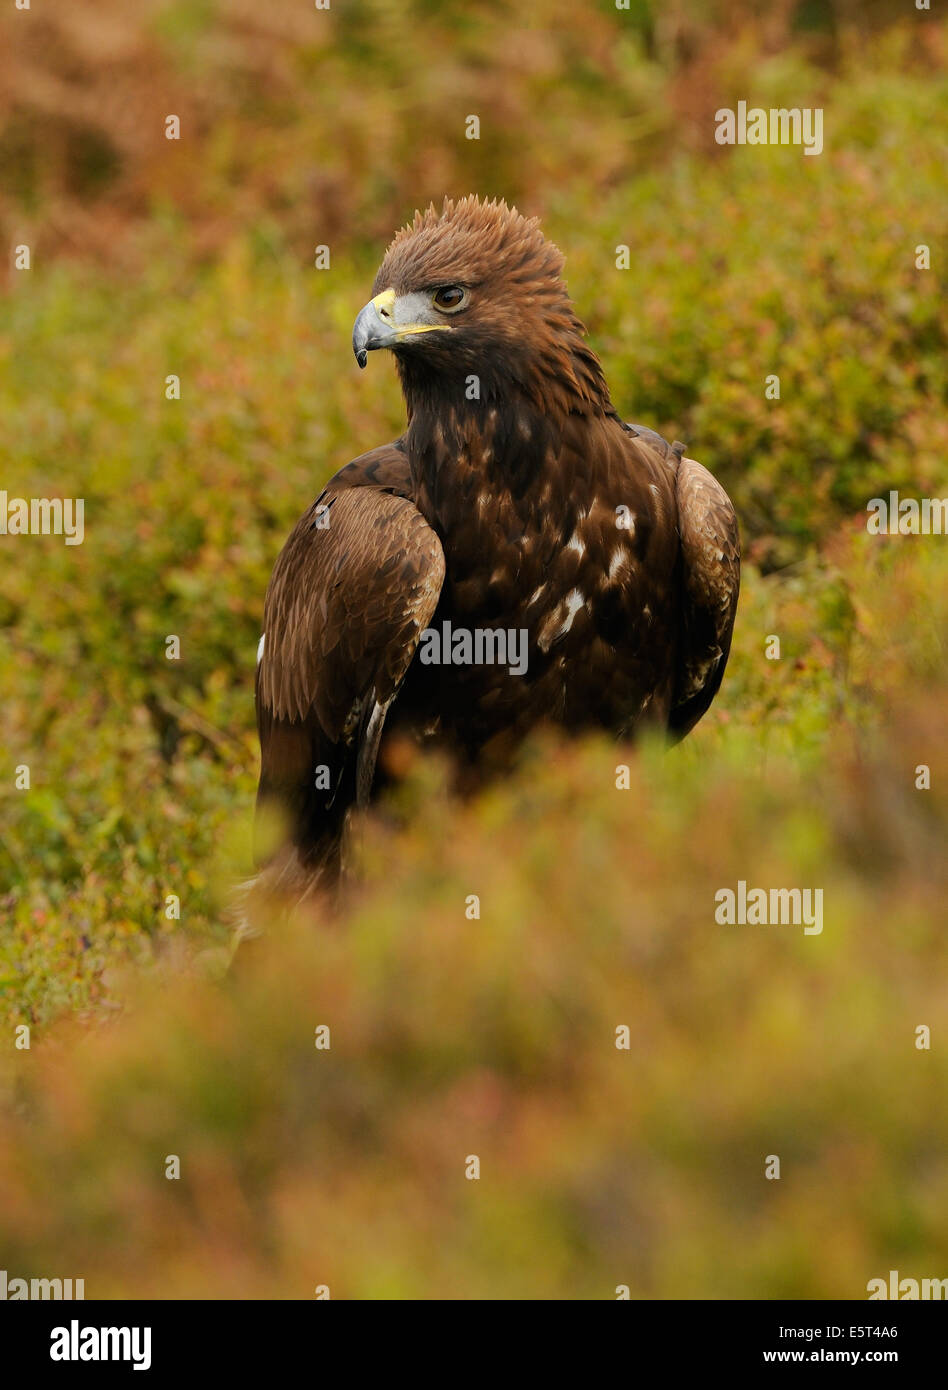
x: 519, y: 555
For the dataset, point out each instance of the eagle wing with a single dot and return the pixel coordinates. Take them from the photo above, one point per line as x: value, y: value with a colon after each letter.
x: 711, y: 577
x: 355, y: 585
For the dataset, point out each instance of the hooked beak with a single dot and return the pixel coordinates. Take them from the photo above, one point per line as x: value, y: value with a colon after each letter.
x: 387, y: 321
x: 375, y: 326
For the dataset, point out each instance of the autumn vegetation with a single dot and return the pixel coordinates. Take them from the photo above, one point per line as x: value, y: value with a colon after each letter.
x: 150, y: 1034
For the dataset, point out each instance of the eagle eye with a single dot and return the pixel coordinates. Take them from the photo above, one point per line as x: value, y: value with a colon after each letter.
x: 450, y: 298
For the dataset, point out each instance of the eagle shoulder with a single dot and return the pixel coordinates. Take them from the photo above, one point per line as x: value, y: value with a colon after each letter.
x: 711, y: 577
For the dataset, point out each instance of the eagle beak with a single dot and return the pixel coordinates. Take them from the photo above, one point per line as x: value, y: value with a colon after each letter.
x: 386, y: 321
x: 375, y: 326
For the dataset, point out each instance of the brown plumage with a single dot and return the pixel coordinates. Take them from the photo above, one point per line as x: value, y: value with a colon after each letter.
x: 517, y: 501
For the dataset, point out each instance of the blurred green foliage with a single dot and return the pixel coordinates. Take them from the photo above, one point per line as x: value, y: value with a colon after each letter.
x: 452, y: 1036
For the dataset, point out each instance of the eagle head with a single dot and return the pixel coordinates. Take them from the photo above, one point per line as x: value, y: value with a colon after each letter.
x: 477, y: 291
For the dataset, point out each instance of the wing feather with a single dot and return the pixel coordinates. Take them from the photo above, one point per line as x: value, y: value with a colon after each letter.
x: 343, y: 616
x: 711, y: 560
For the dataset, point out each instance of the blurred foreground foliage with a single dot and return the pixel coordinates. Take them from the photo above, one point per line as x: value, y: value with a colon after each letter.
x: 495, y: 1036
